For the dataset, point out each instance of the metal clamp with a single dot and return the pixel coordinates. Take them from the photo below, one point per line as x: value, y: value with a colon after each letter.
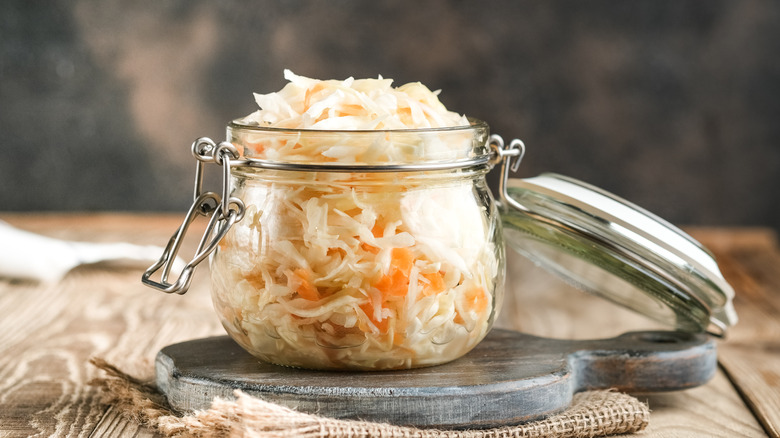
x: 510, y: 156
x: 224, y: 212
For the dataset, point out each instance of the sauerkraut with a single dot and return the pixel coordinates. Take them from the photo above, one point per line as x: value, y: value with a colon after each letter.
x: 360, y: 271
x: 352, y: 105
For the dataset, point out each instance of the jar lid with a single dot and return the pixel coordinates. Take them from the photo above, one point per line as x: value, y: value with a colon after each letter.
x: 610, y: 247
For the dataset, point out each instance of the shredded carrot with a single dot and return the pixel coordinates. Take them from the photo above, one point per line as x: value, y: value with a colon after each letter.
x: 477, y: 299
x: 435, y: 283
x: 256, y: 147
x: 306, y: 290
x: 405, y: 114
x: 369, y: 248
x: 351, y: 110
x: 323, y: 115
x: 307, y: 99
x: 377, y: 231
x: 336, y: 251
x: 382, y: 324
x: 223, y: 244
x: 402, y: 259
x: 396, y: 282
x: 309, y: 93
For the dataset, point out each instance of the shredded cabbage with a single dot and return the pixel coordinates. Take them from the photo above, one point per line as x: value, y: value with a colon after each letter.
x: 363, y: 104
x: 370, y: 271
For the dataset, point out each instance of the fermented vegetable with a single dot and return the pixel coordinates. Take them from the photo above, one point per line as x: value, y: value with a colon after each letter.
x: 358, y: 270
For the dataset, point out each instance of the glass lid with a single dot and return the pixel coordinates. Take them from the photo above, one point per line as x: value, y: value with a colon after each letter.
x: 607, y: 246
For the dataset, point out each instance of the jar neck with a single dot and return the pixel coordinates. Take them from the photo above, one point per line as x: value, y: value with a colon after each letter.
x: 417, y: 147
x: 243, y: 174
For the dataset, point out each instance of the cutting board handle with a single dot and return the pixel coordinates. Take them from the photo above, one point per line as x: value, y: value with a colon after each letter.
x: 646, y: 361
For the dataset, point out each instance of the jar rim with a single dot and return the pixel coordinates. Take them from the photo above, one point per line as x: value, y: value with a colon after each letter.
x: 469, y: 147
x: 475, y: 124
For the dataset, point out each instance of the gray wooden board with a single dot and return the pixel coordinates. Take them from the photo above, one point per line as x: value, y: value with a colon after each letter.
x: 509, y: 378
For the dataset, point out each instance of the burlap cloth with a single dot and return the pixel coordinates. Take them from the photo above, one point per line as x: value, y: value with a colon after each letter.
x: 591, y: 414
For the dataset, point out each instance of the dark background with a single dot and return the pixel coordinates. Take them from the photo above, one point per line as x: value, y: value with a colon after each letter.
x: 671, y: 104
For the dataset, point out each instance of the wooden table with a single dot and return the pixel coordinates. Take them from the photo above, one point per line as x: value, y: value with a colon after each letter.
x: 49, y: 331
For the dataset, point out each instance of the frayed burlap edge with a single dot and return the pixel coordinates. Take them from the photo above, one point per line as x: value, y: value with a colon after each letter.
x: 591, y: 414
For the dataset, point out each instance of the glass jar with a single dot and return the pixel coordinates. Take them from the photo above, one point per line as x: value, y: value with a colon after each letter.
x: 347, y: 250
x: 361, y: 268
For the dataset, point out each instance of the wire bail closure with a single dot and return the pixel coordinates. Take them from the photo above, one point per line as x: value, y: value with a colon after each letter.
x: 505, y: 154
x: 224, y: 211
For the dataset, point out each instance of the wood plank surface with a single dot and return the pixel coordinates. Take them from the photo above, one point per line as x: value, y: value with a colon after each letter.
x: 49, y: 331
x: 751, y: 354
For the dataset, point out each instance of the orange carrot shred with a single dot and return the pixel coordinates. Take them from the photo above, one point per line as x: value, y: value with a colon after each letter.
x: 377, y: 231
x: 402, y: 259
x: 257, y: 147
x: 435, y: 283
x: 457, y: 319
x: 369, y: 248
x: 396, y: 282
x: 405, y: 115
x: 382, y: 324
x: 305, y: 289
x: 477, y: 299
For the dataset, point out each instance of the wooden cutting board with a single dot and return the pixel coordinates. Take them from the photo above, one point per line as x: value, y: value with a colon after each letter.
x: 508, y: 378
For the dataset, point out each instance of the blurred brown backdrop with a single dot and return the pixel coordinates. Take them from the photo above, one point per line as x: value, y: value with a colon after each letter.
x: 673, y: 104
